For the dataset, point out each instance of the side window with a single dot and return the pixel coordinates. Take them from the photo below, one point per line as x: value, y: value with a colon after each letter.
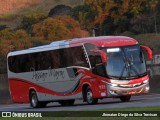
x: 17, y: 63
x: 55, y: 55
x: 95, y: 59
x: 91, y: 55
x: 78, y: 57
x: 12, y: 63
x: 44, y: 60
x: 36, y: 59
x: 75, y: 57
x: 32, y: 63
x: 22, y: 63
x: 68, y: 57
x: 62, y: 58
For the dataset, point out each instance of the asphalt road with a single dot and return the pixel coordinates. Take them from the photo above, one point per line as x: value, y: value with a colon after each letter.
x: 136, y: 101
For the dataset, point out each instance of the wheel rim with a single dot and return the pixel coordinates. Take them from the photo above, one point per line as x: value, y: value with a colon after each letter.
x: 34, y: 100
x: 89, y: 97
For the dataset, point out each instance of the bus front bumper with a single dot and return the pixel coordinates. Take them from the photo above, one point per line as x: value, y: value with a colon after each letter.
x: 122, y: 91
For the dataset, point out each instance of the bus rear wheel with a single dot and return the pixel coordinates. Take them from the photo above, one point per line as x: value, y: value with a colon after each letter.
x: 34, y: 102
x: 125, y: 98
x: 89, y: 97
x: 66, y: 102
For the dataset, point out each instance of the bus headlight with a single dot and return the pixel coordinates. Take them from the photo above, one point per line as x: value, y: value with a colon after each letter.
x: 146, y: 81
x: 110, y: 84
x: 147, y: 88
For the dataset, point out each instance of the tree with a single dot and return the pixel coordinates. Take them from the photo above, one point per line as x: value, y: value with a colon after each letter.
x: 2, y: 27
x: 132, y: 15
x: 84, y: 15
x: 13, y: 40
x: 153, y: 5
x: 94, y: 13
x: 30, y: 19
x: 6, y: 34
x: 60, y: 10
x: 58, y: 28
x: 5, y: 47
x: 135, y: 6
x: 20, y: 34
x: 21, y: 44
x: 145, y: 21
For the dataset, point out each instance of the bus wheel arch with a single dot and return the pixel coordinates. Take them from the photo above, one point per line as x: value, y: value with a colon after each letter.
x: 84, y: 88
x: 88, y: 95
x: 33, y: 98
x: 30, y: 91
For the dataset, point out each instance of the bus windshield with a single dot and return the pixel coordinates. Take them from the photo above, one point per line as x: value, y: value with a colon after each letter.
x: 125, y: 62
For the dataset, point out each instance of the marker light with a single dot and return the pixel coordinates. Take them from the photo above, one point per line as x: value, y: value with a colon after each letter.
x: 113, y: 50
x: 114, y: 85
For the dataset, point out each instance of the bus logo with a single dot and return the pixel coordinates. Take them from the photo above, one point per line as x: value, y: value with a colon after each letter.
x: 6, y: 114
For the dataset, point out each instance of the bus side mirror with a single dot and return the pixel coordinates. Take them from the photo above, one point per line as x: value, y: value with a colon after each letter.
x: 102, y: 54
x: 149, y: 51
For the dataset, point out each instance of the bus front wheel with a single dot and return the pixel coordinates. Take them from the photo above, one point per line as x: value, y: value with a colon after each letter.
x: 34, y: 102
x: 89, y: 97
x: 125, y: 98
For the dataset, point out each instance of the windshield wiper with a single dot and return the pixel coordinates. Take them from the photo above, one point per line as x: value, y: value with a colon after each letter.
x: 134, y: 69
x: 128, y: 66
x: 125, y: 67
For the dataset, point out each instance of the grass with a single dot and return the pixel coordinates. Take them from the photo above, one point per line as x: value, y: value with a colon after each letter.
x: 7, y: 17
x: 157, y: 108
x: 80, y: 114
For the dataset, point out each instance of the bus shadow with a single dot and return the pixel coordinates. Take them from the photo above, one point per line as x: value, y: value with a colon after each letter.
x: 85, y: 104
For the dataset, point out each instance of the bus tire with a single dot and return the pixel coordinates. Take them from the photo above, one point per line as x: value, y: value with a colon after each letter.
x: 89, y: 97
x: 125, y: 98
x: 34, y: 102
x: 66, y: 102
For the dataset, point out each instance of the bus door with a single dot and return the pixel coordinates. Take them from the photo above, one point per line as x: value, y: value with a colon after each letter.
x: 95, y: 59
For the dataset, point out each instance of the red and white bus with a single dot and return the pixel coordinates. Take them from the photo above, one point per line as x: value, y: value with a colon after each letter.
x: 84, y: 68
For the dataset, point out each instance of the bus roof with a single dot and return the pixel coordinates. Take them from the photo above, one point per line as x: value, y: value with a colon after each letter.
x: 106, y: 41
x: 101, y: 41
